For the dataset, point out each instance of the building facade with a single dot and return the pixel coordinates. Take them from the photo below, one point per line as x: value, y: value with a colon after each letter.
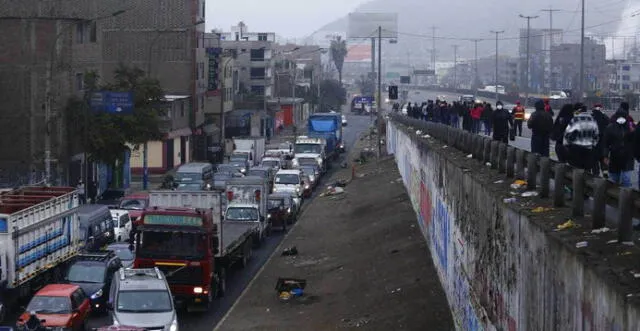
x: 566, y: 61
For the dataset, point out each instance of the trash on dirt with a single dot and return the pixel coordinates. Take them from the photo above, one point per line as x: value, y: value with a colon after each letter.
x: 601, y: 230
x: 426, y: 136
x: 499, y: 181
x: 291, y: 251
x: 518, y: 184
x: 419, y: 132
x: 396, y: 290
x: 348, y: 323
x: 332, y: 191
x: 540, y: 209
x: 612, y: 241
x: 628, y: 243
x: 469, y: 156
x: 509, y: 200
x: 625, y: 253
x: 567, y: 225
x: 488, y: 164
x: 529, y: 194
x: 344, y: 165
x: 290, y: 288
x: 341, y: 183
x: 445, y: 146
x: 582, y: 244
x: 399, y: 179
x: 360, y: 175
x: 636, y: 274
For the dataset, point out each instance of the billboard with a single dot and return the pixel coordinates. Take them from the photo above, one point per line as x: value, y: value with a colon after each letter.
x: 405, y: 80
x: 365, y: 25
x: 358, y: 53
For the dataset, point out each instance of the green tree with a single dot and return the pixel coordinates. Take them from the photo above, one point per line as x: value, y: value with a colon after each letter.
x: 338, y: 51
x: 106, y: 136
x: 332, y: 94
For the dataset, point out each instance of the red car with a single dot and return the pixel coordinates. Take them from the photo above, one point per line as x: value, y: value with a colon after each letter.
x: 63, y: 306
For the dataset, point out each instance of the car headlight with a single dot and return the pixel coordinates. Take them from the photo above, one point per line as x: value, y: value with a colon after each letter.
x: 295, y: 162
x: 174, y: 325
x: 96, y: 295
x: 306, y: 187
x: 107, y: 234
x: 319, y: 159
x: 275, y: 189
x: 243, y: 170
x: 527, y: 116
x: 288, y: 210
x: 268, y: 215
x: 297, y: 189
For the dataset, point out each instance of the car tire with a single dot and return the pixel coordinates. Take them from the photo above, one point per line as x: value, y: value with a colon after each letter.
x: 246, y: 253
x: 257, y: 240
x: 221, y: 282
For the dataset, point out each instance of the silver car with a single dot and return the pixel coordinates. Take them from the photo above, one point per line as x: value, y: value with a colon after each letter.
x: 142, y: 298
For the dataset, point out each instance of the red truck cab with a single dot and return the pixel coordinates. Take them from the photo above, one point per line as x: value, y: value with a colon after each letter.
x: 182, y: 242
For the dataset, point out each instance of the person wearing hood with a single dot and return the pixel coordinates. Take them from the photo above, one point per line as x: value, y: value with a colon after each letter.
x: 467, y: 121
x: 624, y: 108
x: 603, y: 122
x: 557, y: 134
x: 618, y: 141
x: 541, y: 125
x: 547, y: 107
x: 502, y: 122
x: 487, y: 119
x: 581, y: 138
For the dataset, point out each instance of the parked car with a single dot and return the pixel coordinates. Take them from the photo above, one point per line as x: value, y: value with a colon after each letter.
x: 59, y: 306
x: 94, y: 273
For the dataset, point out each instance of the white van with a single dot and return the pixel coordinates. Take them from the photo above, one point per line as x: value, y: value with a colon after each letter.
x: 121, y: 224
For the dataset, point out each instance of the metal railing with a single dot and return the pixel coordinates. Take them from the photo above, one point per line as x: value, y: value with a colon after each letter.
x: 549, y: 178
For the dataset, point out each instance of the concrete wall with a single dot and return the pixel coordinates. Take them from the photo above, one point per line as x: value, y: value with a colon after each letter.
x: 500, y: 267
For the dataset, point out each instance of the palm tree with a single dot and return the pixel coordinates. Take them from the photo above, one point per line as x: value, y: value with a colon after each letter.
x: 338, y: 53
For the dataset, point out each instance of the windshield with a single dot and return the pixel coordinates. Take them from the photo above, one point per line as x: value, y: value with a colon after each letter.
x: 187, y: 176
x: 239, y: 157
x: 284, y: 146
x: 307, y: 161
x: 124, y: 253
x: 41, y: 304
x: 287, y: 179
x: 86, y: 273
x: 190, y: 187
x: 275, y: 203
x: 308, y: 148
x: 270, y: 163
x: 144, y: 301
x: 172, y: 244
x: 227, y: 169
x: 133, y: 204
x: 258, y: 173
x: 241, y: 214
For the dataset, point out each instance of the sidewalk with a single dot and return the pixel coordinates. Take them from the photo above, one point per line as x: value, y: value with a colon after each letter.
x: 365, y: 261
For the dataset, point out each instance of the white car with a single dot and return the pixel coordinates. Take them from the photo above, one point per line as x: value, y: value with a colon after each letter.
x: 344, y: 120
x: 289, y: 180
x: 121, y: 224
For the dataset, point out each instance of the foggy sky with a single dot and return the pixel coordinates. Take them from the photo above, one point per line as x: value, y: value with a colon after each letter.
x: 288, y: 18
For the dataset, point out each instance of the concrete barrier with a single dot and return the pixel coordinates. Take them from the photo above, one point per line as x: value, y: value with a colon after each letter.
x: 503, y: 265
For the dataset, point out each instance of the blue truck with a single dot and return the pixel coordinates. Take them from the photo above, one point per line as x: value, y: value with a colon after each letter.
x: 329, y: 127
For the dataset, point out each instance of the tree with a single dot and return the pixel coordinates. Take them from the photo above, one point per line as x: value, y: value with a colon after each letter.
x: 339, y: 51
x: 332, y: 94
x: 106, y: 136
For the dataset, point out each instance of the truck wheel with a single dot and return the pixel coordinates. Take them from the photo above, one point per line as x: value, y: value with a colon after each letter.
x: 257, y: 240
x: 221, y: 283
x: 246, y: 253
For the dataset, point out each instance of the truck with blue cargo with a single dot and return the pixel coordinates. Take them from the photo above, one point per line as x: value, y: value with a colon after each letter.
x: 329, y: 127
x: 39, y: 236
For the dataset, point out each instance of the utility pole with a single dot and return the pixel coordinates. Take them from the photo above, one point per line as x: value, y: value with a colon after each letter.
x: 373, y: 56
x: 550, y: 11
x: 455, y: 66
x: 433, y: 55
x: 526, y: 91
x: 581, y: 85
x: 496, y: 77
x: 475, y: 78
x: 379, y: 103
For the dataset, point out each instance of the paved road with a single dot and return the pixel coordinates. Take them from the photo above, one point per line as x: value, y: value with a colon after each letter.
x: 238, y: 279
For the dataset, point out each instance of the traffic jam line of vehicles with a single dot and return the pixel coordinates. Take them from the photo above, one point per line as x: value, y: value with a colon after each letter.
x: 148, y: 255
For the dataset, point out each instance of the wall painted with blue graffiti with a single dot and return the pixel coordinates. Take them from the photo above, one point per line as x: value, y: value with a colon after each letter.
x: 499, y: 270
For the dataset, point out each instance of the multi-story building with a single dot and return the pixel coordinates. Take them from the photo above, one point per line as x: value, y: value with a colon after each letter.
x: 166, y: 41
x: 540, y: 58
x: 507, y: 71
x: 566, y: 61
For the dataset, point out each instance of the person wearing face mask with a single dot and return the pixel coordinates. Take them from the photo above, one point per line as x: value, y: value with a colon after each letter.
x: 618, y: 150
x: 502, y: 123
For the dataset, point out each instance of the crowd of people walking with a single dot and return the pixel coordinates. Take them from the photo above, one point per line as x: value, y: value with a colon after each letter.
x: 585, y: 139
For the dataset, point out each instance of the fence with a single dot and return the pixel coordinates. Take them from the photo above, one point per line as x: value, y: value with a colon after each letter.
x: 549, y: 178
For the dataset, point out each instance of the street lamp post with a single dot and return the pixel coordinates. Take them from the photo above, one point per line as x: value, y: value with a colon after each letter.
x: 496, y: 77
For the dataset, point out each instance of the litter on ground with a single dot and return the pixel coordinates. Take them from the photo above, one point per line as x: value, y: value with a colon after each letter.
x: 540, y: 209
x: 601, y: 230
x: 582, y: 244
x: 529, y: 194
x: 518, y: 184
x: 567, y: 225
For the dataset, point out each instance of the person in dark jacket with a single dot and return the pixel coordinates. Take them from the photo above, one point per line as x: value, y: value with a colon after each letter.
x: 581, y: 138
x: 409, y: 110
x: 487, y: 119
x: 557, y: 135
x: 430, y: 110
x: 541, y: 125
x: 502, y: 122
x: 618, y: 149
x: 417, y: 112
x: 467, y: 121
x: 603, y: 122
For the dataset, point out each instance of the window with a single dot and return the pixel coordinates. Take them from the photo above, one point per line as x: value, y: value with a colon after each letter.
x: 257, y: 89
x: 93, y: 32
x: 202, y: 102
x: 201, y: 68
x: 80, y: 29
x: 262, y: 37
x: 625, y: 77
x: 257, y: 54
x: 257, y: 73
x: 625, y: 86
x: 181, y: 108
x: 626, y: 68
x: 79, y: 82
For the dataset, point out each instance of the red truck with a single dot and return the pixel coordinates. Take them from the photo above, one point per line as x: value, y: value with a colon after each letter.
x: 181, y: 233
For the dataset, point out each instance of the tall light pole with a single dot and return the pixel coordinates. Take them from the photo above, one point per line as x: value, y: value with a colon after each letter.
x: 550, y: 11
x: 475, y: 78
x: 581, y: 85
x: 433, y: 55
x: 526, y: 92
x: 455, y: 66
x: 496, y: 77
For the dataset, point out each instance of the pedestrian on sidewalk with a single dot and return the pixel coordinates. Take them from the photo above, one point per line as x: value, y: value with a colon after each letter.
x: 581, y: 138
x: 618, y: 141
x: 541, y: 125
x: 603, y: 122
x: 476, y: 113
x: 518, y: 118
x: 82, y: 194
x: 502, y: 123
x: 557, y: 135
x: 467, y: 121
x: 487, y: 119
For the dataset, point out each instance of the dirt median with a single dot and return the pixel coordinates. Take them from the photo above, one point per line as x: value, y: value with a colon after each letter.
x: 365, y: 261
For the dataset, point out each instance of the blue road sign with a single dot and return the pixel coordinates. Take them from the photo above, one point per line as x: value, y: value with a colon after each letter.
x: 112, y: 102
x: 365, y: 100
